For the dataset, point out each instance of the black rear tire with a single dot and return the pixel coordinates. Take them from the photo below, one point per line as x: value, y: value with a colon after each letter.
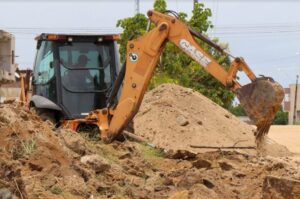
x: 44, y: 114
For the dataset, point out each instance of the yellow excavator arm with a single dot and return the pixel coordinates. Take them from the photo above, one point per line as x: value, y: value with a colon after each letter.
x: 141, y: 59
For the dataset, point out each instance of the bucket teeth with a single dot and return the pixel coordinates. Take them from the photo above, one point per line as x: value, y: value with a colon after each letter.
x: 261, y: 100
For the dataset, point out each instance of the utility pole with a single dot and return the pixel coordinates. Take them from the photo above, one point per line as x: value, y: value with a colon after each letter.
x: 195, y: 1
x: 295, y: 102
x: 137, y: 6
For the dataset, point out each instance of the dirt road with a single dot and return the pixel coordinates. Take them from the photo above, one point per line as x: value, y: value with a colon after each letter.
x: 287, y: 135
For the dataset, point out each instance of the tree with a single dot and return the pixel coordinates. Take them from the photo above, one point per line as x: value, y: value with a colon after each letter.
x: 160, y: 5
x: 281, y: 117
x: 175, y: 66
x: 133, y: 26
x: 237, y: 110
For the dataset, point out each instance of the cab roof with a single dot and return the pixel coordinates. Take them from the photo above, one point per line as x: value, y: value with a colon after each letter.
x: 61, y: 36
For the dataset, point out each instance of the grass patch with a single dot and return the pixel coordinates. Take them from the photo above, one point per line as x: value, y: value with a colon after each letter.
x: 22, y: 148
x: 149, y: 152
x: 104, y: 150
x: 28, y: 146
x: 56, y: 190
x: 109, y: 153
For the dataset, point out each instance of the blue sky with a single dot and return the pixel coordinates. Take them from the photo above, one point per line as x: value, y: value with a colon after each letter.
x: 265, y: 33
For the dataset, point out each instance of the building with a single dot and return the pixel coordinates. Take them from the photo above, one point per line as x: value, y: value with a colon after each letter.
x: 289, y: 103
x: 9, y: 88
x: 7, y: 57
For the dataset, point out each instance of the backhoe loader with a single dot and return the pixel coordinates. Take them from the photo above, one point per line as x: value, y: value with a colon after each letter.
x: 113, y: 109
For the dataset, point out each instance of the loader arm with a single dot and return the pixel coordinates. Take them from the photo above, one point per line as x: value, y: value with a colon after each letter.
x: 141, y: 59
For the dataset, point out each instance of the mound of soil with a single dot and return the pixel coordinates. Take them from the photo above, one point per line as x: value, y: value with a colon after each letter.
x: 34, y: 159
x: 38, y: 161
x: 174, y: 118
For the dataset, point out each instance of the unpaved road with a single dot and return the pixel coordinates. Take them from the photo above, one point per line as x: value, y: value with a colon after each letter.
x: 287, y: 135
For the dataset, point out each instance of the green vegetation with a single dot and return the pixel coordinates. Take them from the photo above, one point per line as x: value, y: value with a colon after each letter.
x: 175, y: 66
x: 56, y: 190
x: 22, y: 148
x: 28, y: 146
x: 281, y: 117
x: 237, y: 110
x: 149, y: 152
x: 104, y: 150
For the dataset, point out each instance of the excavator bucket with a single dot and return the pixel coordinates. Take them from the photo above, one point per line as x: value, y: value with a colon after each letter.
x: 261, y: 100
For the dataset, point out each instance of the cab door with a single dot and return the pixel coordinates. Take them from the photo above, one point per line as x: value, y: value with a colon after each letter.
x: 44, y: 81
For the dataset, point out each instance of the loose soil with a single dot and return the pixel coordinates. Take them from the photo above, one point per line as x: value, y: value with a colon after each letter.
x: 39, y: 161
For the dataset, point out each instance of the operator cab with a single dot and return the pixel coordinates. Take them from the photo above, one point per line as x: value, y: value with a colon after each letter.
x: 73, y: 73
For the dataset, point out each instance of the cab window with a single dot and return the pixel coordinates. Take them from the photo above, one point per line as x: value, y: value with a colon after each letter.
x: 44, y: 70
x: 86, y: 66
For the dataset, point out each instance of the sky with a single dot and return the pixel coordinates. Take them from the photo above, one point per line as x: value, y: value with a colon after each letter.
x: 265, y: 33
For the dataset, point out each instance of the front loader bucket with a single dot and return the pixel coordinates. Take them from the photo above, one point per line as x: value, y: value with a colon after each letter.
x: 261, y: 100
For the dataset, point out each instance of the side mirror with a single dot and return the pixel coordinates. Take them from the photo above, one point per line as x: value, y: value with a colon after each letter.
x: 32, y: 79
x: 51, y: 64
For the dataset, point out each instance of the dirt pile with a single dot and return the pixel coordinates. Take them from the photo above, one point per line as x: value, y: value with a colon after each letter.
x: 174, y: 118
x: 34, y: 159
x: 37, y: 161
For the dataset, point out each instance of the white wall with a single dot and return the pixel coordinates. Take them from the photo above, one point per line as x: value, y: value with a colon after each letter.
x: 7, y: 51
x: 8, y: 93
x: 292, y: 103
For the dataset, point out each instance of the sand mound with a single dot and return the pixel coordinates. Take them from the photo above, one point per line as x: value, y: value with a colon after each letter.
x: 174, y: 117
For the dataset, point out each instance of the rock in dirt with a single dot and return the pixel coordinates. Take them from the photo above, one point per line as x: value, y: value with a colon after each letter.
x: 189, y: 179
x: 96, y: 162
x: 75, y: 185
x: 208, y: 183
x: 200, y: 163
x: 180, y: 154
x: 280, y: 188
x: 125, y: 156
x: 182, y: 121
x: 200, y: 191
x: 225, y: 166
x: 73, y: 141
x: 275, y: 166
x: 168, y: 182
x: 7, y: 194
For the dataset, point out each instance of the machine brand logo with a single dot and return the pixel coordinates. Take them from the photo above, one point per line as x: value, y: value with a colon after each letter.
x: 194, y: 53
x: 133, y: 57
